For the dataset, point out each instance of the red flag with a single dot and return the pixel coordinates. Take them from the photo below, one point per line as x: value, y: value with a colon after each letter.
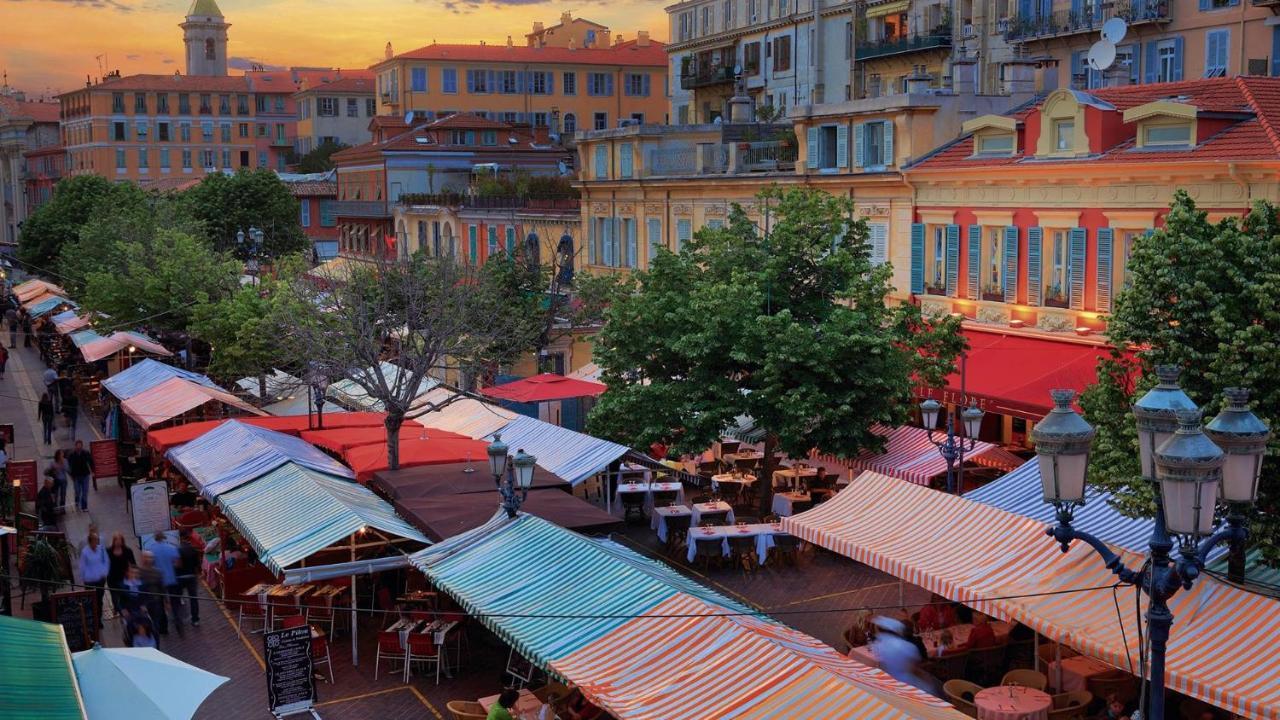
x: 391, y: 242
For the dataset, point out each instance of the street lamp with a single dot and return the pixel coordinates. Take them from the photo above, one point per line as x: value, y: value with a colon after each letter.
x: 1187, y: 468
x: 251, y: 246
x: 318, y: 385
x: 953, y: 448
x: 513, y: 476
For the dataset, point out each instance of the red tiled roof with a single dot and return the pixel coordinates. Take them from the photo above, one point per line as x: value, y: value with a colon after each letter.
x: 41, y: 112
x: 314, y: 188
x: 295, y: 79
x: 409, y: 140
x: 176, y: 82
x: 347, y: 85
x: 467, y: 121
x: 626, y: 53
x: 172, y: 184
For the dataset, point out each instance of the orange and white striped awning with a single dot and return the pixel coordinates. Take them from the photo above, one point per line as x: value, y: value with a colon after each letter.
x: 910, y: 455
x: 1224, y: 640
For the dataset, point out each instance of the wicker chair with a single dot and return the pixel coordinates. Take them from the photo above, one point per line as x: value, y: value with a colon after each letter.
x: 677, y: 531
x: 1121, y: 684
x: 950, y: 666
x: 1071, y: 706
x: 633, y: 506
x: 742, y: 552
x: 961, y: 694
x: 785, y: 547
x: 1025, y: 678
x: 985, y: 665
x: 707, y: 551
x: 466, y: 710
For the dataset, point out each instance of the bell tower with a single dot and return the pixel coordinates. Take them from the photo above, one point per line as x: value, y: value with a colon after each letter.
x: 204, y: 32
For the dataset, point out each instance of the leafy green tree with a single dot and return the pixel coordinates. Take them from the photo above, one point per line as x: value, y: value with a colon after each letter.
x: 76, y: 201
x: 1202, y: 297
x: 97, y: 246
x: 789, y: 327
x: 320, y: 159
x: 227, y: 204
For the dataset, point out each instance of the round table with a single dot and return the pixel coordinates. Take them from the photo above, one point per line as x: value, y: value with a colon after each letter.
x: 1012, y: 702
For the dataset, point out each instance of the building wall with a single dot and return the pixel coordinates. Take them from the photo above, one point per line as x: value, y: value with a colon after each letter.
x: 314, y: 128
x: 275, y: 136
x: 318, y: 219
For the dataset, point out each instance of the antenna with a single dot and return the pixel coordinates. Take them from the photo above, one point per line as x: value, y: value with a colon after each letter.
x: 1114, y: 30
x: 408, y: 118
x: 1102, y: 55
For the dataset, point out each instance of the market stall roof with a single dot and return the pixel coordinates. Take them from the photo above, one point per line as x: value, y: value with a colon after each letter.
x: 571, y: 455
x: 1222, y: 648
x: 234, y: 453
x: 590, y: 372
x: 68, y: 321
x: 47, y: 305
x: 293, y: 512
x: 144, y: 375
x: 444, y: 516
x: 162, y: 440
x: 467, y: 416
x: 449, y: 479
x: 349, y: 393
x: 280, y: 386
x: 641, y: 643
x: 120, y: 341
x: 80, y: 338
x: 175, y: 396
x: 544, y: 388
x: 366, y: 460
x: 910, y: 455
x: 37, y: 680
x: 340, y: 440
x: 25, y: 291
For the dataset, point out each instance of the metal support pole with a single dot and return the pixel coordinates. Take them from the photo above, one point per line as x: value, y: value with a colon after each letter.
x: 964, y: 399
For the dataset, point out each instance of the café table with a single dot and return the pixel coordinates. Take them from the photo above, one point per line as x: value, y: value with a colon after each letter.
x: 791, y: 477
x: 631, y: 488
x: 743, y: 481
x: 762, y: 532
x: 718, y: 506
x: 783, y: 503
x: 865, y: 655
x: 1012, y: 702
x: 1073, y: 673
x: 960, y: 635
x: 658, y: 521
x: 527, y: 706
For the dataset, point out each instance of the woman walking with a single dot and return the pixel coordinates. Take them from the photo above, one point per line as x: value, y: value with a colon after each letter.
x: 47, y: 417
x: 58, y: 469
x: 119, y: 560
x: 94, y: 566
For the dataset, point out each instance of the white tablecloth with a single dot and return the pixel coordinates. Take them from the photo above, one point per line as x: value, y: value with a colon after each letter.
x: 762, y: 532
x: 658, y: 521
x: 647, y: 489
x: 745, y: 481
x: 783, y: 502
x: 792, y: 476
x: 711, y: 507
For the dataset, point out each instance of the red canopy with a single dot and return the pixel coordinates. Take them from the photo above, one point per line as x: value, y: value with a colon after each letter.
x: 1012, y: 374
x: 366, y: 460
x: 340, y: 440
x: 162, y: 440
x: 544, y: 388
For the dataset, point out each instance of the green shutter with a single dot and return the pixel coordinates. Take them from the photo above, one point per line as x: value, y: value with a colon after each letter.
x: 1010, y: 278
x: 1106, y: 238
x: 953, y: 259
x: 1077, y: 241
x: 975, y: 260
x: 813, y: 149
x: 473, y: 237
x: 1035, y: 238
x: 917, y: 255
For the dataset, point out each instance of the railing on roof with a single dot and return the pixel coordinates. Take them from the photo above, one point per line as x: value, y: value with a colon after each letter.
x: 769, y: 156
x: 680, y: 160
x: 501, y: 202
x: 361, y: 208
x: 1089, y: 19
x: 940, y: 38
x: 714, y: 156
x: 696, y: 77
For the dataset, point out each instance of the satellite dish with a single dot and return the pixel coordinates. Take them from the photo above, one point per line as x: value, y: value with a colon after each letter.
x: 408, y: 118
x: 737, y: 69
x: 1114, y: 30
x: 1102, y: 55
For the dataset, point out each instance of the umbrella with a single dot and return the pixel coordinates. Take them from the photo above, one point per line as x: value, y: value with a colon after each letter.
x: 140, y: 684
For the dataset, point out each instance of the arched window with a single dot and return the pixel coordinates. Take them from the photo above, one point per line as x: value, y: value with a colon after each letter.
x: 422, y: 235
x: 570, y: 123
x: 210, y: 50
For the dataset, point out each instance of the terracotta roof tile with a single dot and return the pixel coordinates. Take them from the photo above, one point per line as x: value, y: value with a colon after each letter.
x: 626, y: 53
x: 176, y: 83
x: 342, y: 85
x: 314, y: 188
x: 41, y: 112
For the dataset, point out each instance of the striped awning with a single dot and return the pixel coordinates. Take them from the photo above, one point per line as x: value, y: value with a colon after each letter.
x: 176, y: 396
x: 26, y: 291
x: 144, y: 375
x: 464, y: 416
x: 120, y: 341
x: 571, y: 455
x: 235, y: 453
x: 350, y: 394
x: 1222, y: 648
x: 85, y: 337
x: 37, y: 679
x: 910, y: 455
x: 47, y: 305
x: 293, y: 512
x: 745, y: 429
x: 68, y: 321
x: 643, y: 643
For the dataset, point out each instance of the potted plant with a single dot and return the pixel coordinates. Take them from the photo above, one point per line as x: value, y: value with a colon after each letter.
x: 993, y: 292
x: 43, y: 569
x: 1055, y: 297
x: 931, y: 288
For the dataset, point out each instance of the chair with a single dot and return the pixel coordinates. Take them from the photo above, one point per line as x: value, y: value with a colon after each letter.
x: 283, y: 611
x: 1021, y: 653
x: 677, y: 531
x: 633, y: 506
x: 985, y: 665
x: 786, y: 546
x: 854, y: 637
x: 664, y: 497
x: 251, y: 607
x: 949, y: 666
x: 742, y: 552
x: 708, y: 551
x: 715, y: 517
x: 321, y: 613
x: 465, y: 710
x: 1049, y: 652
x: 1025, y: 678
x: 961, y: 694
x: 422, y: 649
x: 292, y: 621
x: 390, y: 647
x: 730, y: 492
x: 1123, y: 685
x: 800, y: 506
x: 1071, y: 706
x: 320, y: 654
x: 702, y: 497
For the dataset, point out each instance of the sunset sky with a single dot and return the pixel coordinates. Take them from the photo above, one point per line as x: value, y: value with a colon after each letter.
x: 49, y: 46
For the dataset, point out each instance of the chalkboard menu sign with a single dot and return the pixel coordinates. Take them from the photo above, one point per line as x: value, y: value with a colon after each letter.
x: 77, y: 612
x: 6, y: 433
x: 106, y: 460
x: 24, y: 472
x: 290, y: 682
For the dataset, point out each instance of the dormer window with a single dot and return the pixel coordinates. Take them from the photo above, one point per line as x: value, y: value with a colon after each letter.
x: 1164, y: 124
x: 1178, y: 134
x: 995, y: 144
x: 1062, y: 124
x: 993, y: 135
x: 1064, y: 133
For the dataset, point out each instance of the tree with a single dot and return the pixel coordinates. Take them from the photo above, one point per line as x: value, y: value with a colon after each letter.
x: 320, y: 159
x: 788, y: 326
x: 128, y: 219
x: 76, y: 201
x: 228, y: 204
x: 1202, y: 297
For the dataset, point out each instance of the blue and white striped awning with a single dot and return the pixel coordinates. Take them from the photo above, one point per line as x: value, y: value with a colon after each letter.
x: 142, y: 376
x: 48, y: 305
x: 350, y: 394
x: 235, y: 453
x: 571, y: 455
x: 80, y: 338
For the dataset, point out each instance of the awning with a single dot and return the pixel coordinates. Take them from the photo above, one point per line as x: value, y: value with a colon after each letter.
x: 445, y: 516
x: 544, y: 388
x: 176, y: 396
x: 68, y: 321
x: 890, y: 8
x: 909, y: 455
x: 1222, y: 649
x: 340, y: 440
x: 37, y: 680
x: 121, y: 341
x: 349, y: 393
x: 571, y: 455
x: 293, y: 512
x: 590, y: 372
x: 234, y: 453
x: 337, y: 270
x: 1012, y: 374
x: 366, y: 460
x: 81, y: 338
x: 48, y: 305
x: 316, y: 573
x: 25, y: 291
x: 142, y: 376
x: 325, y: 249
x: 466, y: 416
x: 448, y: 479
x: 744, y: 429
x: 641, y: 642
x: 280, y: 385
x: 162, y: 440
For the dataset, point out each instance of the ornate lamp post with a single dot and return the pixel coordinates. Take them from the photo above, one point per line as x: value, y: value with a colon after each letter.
x: 513, y: 476
x: 1189, y: 474
x: 953, y: 448
x: 317, y: 385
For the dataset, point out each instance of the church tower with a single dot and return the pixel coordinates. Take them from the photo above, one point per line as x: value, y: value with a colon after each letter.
x: 205, y: 34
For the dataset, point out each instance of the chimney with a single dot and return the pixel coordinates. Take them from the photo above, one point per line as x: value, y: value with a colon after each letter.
x: 642, y: 38
x: 918, y: 83
x: 566, y: 18
x: 964, y: 76
x: 388, y: 52
x: 617, y: 39
x: 537, y: 28
x: 1019, y: 77
x: 573, y: 45
x: 602, y: 39
x: 509, y: 41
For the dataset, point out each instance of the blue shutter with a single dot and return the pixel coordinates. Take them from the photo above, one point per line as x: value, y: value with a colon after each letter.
x: 616, y: 238
x: 1177, y: 58
x: 490, y: 81
x: 551, y: 83
x: 953, y: 259
x: 1275, y: 51
x: 471, y: 81
x: 859, y: 157
x: 591, y: 241
x: 1204, y: 5
x: 644, y: 90
x: 1135, y: 63
x: 520, y: 81
x: 632, y: 244
x: 888, y: 142
x: 602, y: 162
x: 1010, y: 276
x: 917, y: 258
x: 1046, y: 8
x: 1077, y: 241
x: 1026, y: 9
x: 975, y: 260
x: 1035, y: 238
x: 684, y: 232
x: 654, y: 237
x: 1106, y: 238
x: 1077, y: 68
x: 1150, y: 63
x: 1077, y: 6
x: 608, y: 85
x: 813, y: 148
x: 842, y: 145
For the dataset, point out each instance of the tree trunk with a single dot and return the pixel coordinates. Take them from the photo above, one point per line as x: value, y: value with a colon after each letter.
x: 393, y: 422
x: 767, y: 465
x: 262, y: 389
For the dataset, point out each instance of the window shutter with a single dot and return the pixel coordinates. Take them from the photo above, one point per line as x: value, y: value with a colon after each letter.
x: 474, y: 242
x: 1077, y: 67
x: 520, y: 81
x: 602, y: 162
x: 684, y: 231
x: 644, y: 90
x: 1106, y: 238
x: 975, y: 260
x: 879, y: 243
x: 1177, y: 58
x: 654, y: 237
x: 1135, y: 63
x: 591, y: 241
x: 551, y: 83
x: 608, y: 85
x: 842, y: 145
x: 953, y: 259
x: 1010, y: 276
x: 616, y: 238
x: 888, y: 143
x: 1275, y: 51
x: 1035, y: 238
x: 632, y: 245
x: 1077, y: 241
x: 1150, y: 63
x: 858, y: 149
x: 624, y: 160
x: 1204, y: 5
x: 1078, y: 5
x: 917, y: 258
x: 813, y: 149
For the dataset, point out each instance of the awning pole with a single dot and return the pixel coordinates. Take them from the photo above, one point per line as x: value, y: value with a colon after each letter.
x: 1057, y: 658
x: 1035, y: 663
x: 355, y: 648
x: 902, y: 601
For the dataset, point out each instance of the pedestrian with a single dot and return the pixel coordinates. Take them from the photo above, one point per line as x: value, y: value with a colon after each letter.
x: 132, y: 600
x: 44, y: 411
x: 898, y: 656
x: 71, y: 411
x: 151, y: 591
x: 94, y: 566
x: 120, y: 559
x: 4, y: 359
x: 188, y: 571
x: 45, y: 509
x: 59, y: 469
x: 26, y: 330
x: 166, y: 559
x: 139, y: 631
x: 51, y: 386
x: 80, y: 466
x: 11, y: 315
x: 501, y: 710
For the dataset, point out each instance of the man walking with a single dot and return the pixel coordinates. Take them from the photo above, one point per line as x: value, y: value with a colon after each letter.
x: 151, y: 590
x: 80, y: 466
x: 51, y: 386
x: 71, y: 411
x: 94, y: 566
x: 188, y: 570
x: 11, y: 316
x: 167, y: 559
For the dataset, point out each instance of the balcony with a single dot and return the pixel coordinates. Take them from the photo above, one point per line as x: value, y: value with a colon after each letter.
x: 939, y: 39
x: 691, y: 78
x: 768, y: 156
x: 1066, y: 22
x: 281, y: 142
x: 499, y: 202
x: 376, y: 209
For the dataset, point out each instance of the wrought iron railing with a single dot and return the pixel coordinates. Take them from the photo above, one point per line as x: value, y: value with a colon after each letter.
x: 1088, y: 19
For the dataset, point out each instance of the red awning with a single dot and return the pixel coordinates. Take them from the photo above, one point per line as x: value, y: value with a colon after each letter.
x: 340, y: 440
x: 366, y: 460
x: 1012, y: 374
x: 544, y: 388
x: 162, y: 440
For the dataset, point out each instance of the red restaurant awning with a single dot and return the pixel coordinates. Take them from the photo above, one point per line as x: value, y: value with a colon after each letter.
x: 545, y: 388
x: 162, y: 440
x: 366, y: 460
x: 340, y: 440
x: 1011, y: 374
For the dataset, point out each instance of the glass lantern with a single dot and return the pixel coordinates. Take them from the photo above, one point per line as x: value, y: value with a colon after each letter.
x: 1157, y: 415
x: 1243, y: 439
x: 929, y: 413
x: 497, y: 456
x: 524, y: 463
x: 1189, y: 470
x: 1062, y: 443
x: 972, y: 418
